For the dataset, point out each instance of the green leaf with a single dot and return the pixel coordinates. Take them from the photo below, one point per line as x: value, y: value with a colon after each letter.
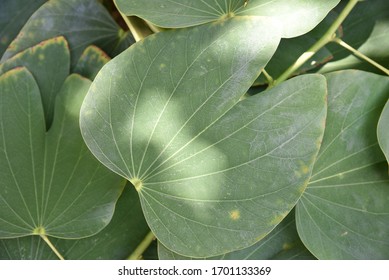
x: 50, y: 184
x: 383, y: 131
x: 344, y: 213
x: 13, y: 15
x: 287, y: 14
x: 49, y: 63
x: 81, y: 22
x: 365, y: 29
x: 213, y: 174
x: 90, y: 62
x: 283, y: 243
x: 116, y: 241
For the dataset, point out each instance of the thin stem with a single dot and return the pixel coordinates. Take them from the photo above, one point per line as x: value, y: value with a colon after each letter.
x: 360, y: 55
x: 327, y: 37
x: 268, y: 77
x: 52, y: 247
x: 138, y: 252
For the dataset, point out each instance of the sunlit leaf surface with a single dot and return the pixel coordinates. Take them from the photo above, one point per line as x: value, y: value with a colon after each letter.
x: 213, y: 174
x: 344, y: 213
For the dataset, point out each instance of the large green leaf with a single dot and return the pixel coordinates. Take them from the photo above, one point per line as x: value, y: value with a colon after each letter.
x: 49, y: 63
x: 365, y: 29
x: 213, y: 174
x: 287, y: 14
x: 13, y: 15
x: 81, y: 22
x: 283, y: 243
x: 344, y: 213
x: 50, y: 183
x: 116, y: 241
x: 383, y: 131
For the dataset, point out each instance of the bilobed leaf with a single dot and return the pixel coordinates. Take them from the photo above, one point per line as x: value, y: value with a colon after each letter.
x: 81, y: 22
x: 283, y: 243
x: 213, y: 174
x: 344, y: 213
x: 50, y: 183
x: 49, y: 63
x: 13, y: 15
x: 116, y: 241
x: 287, y: 14
x: 383, y: 131
x: 90, y: 62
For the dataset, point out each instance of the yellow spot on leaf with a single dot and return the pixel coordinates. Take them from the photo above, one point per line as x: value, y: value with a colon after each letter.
x: 41, y: 56
x: 304, y: 169
x: 235, y: 215
x: 287, y: 246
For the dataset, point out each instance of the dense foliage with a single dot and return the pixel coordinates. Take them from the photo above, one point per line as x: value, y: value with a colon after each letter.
x: 220, y: 129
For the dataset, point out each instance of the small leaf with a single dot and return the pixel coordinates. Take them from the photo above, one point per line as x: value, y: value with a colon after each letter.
x: 287, y: 14
x: 49, y: 63
x: 50, y: 183
x: 344, y: 213
x: 81, y: 22
x: 90, y: 62
x: 13, y: 15
x: 383, y: 131
x: 213, y: 174
x: 283, y: 243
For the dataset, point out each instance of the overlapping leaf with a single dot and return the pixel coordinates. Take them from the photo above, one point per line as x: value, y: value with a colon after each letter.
x: 50, y: 184
x: 344, y: 213
x: 13, y: 15
x: 287, y: 14
x: 90, y: 62
x: 49, y: 63
x: 116, y: 241
x: 81, y: 22
x: 383, y: 131
x: 213, y: 174
x: 283, y: 243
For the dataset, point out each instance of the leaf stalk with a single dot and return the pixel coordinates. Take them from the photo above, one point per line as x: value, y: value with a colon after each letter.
x: 324, y: 40
x: 360, y: 55
x: 52, y: 247
x: 138, y: 252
